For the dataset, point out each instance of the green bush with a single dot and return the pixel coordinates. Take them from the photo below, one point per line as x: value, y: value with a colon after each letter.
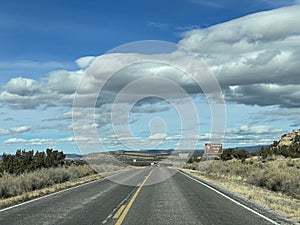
x: 231, y: 153
x: 23, y: 161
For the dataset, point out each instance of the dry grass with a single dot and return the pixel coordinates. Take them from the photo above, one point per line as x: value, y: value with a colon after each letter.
x: 275, y: 184
x: 54, y: 188
x: 104, y: 168
x: 14, y: 185
x: 16, y: 189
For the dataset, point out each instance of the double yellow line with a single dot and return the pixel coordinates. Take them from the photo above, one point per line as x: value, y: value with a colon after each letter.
x: 125, y: 211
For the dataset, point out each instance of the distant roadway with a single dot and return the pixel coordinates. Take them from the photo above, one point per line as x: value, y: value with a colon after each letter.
x: 178, y: 200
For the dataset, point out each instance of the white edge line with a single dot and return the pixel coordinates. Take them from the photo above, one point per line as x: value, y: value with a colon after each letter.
x: 231, y: 199
x: 48, y: 195
x: 61, y: 191
x: 58, y: 192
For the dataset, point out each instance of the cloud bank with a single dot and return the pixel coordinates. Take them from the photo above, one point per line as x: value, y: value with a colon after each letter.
x: 254, y: 56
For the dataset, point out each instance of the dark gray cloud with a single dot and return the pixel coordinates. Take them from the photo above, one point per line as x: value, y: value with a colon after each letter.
x: 265, y: 95
x: 150, y: 108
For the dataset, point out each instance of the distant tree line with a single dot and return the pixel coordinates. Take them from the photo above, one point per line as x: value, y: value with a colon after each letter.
x: 26, y: 161
x: 228, y: 154
x: 232, y: 153
x: 292, y: 151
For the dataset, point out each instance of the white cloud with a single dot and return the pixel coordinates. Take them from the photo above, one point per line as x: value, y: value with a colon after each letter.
x: 64, y: 116
x: 21, y: 129
x: 63, y: 82
x: 14, y: 141
x: 252, y: 52
x: 247, y: 134
x: 248, y: 129
x: 28, y: 64
x: 248, y: 33
x: 38, y: 141
x: 84, y: 62
x: 22, y: 86
x: 15, y: 130
x: 255, y: 58
x: 56, y: 90
x: 157, y: 136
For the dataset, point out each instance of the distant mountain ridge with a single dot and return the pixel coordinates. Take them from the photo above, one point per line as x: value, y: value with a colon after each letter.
x: 289, y: 142
x: 73, y: 156
x: 253, y: 148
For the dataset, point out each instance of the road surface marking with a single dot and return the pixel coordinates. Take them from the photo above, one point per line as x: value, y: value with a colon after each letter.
x: 51, y: 194
x: 123, y: 215
x: 231, y: 199
x: 100, y: 180
x: 118, y: 213
x: 121, y: 203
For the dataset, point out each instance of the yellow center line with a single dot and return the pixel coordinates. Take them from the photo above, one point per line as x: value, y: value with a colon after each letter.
x: 122, y: 217
x: 118, y: 213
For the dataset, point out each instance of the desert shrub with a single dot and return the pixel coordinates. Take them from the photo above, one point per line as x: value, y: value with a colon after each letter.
x: 280, y: 181
x: 231, y: 153
x: 13, y: 185
x: 281, y: 175
x: 191, y: 166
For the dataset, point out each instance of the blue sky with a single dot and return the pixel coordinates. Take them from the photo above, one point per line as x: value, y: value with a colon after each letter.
x: 253, y: 57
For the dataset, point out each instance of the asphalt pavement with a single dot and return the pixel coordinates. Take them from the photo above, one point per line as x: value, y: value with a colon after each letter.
x: 176, y: 199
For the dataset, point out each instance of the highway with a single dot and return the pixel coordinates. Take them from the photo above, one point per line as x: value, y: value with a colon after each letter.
x: 177, y: 199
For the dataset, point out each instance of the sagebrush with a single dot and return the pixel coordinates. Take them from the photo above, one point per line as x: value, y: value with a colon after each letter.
x: 13, y: 185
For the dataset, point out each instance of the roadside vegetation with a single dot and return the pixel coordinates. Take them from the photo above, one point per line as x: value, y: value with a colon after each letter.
x: 24, y: 162
x: 279, y: 175
x: 13, y: 185
x: 27, y: 172
x: 274, y: 183
x: 270, y: 176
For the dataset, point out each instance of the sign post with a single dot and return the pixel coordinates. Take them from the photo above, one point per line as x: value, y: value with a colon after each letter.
x: 213, y: 149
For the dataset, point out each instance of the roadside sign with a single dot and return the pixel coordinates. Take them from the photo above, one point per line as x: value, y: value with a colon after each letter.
x: 213, y: 148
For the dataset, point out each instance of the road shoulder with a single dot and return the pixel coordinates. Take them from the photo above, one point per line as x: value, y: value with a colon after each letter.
x: 241, y: 197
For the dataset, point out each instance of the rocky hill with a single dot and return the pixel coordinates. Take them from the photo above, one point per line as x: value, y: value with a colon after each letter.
x: 290, y: 139
x: 288, y: 146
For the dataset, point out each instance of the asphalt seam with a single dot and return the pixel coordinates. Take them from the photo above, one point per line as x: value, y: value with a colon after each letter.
x: 229, y: 198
